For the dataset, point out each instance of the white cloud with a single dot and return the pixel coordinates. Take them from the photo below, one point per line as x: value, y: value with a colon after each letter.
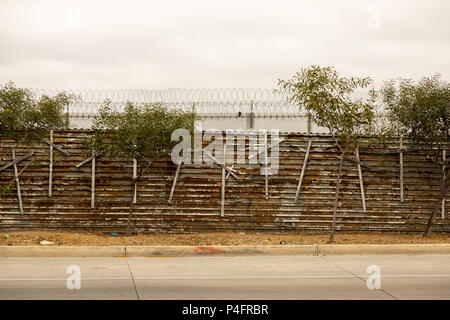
x: 195, y: 44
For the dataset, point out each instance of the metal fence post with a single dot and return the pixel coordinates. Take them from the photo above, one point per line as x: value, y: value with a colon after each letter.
x: 250, y: 118
x: 308, y: 128
x: 67, y: 117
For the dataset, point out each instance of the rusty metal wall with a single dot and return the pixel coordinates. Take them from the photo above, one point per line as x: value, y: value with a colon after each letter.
x: 196, y: 201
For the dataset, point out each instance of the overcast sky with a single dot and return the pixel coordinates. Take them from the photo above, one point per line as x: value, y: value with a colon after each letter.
x: 217, y: 43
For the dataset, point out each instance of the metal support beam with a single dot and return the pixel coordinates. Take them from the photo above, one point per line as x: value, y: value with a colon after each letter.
x: 228, y: 174
x: 93, y: 164
x: 84, y: 162
x: 302, y: 174
x: 50, y: 170
x: 50, y: 173
x: 266, y: 177
x: 14, y: 162
x: 250, y: 118
x: 16, y: 173
x: 308, y: 128
x: 93, y: 180
x: 401, y: 170
x: 222, y: 195
x: 444, y: 158
x: 177, y: 172
x: 56, y: 147
x: 273, y: 144
x: 229, y: 170
x: 361, y: 184
x: 134, y: 177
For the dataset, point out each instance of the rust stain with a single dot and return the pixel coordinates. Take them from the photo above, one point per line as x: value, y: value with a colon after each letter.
x: 208, y: 250
x: 196, y: 201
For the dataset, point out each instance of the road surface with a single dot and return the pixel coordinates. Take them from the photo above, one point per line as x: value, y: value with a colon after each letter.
x: 208, y: 277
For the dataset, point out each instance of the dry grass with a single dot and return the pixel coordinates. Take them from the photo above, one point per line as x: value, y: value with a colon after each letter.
x: 83, y: 238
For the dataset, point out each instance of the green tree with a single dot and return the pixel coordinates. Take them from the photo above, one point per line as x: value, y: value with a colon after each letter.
x: 420, y: 112
x: 24, y: 119
x: 141, y: 133
x: 332, y: 103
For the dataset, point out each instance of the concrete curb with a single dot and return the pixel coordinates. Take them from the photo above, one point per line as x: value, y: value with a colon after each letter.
x: 180, y: 251
x: 398, y: 249
x: 60, y: 251
x: 135, y: 251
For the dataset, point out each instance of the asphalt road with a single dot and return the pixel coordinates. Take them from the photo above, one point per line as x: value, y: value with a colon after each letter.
x: 255, y: 277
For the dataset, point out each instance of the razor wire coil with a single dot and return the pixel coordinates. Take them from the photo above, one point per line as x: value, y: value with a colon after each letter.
x: 208, y: 103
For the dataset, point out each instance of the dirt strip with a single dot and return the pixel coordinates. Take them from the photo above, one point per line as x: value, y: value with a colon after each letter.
x: 84, y: 238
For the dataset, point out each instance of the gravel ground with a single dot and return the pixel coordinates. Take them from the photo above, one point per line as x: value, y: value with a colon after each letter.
x: 78, y: 238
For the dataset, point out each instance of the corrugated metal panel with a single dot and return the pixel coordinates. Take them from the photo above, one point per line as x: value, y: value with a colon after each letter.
x: 196, y: 200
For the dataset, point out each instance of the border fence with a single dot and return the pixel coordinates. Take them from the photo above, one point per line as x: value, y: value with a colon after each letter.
x: 66, y: 187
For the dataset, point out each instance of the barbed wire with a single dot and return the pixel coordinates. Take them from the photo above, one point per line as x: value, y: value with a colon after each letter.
x: 173, y: 95
x: 206, y: 102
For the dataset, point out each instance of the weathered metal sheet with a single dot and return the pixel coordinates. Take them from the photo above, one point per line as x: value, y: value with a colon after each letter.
x: 197, y: 197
